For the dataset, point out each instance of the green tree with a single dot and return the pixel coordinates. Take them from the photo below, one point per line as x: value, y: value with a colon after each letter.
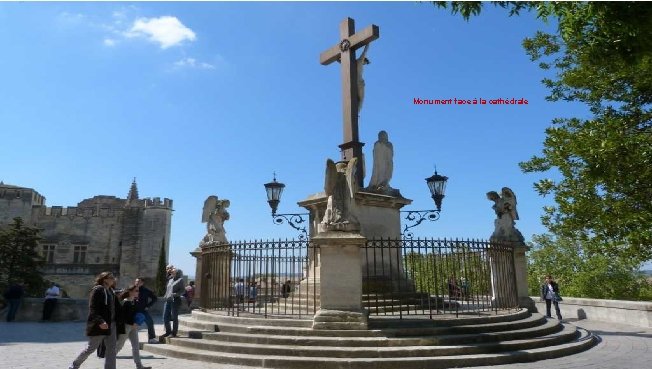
x: 582, y: 273
x: 161, y: 275
x: 19, y: 257
x: 601, y: 55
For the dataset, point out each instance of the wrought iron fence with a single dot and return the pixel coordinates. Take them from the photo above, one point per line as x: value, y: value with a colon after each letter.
x: 429, y: 277
x: 401, y: 277
x: 261, y: 277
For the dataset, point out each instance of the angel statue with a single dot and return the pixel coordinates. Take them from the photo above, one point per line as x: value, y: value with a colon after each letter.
x: 340, y: 187
x: 506, y: 215
x: 214, y: 215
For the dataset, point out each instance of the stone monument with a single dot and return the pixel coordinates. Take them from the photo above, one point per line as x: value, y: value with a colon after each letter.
x: 505, y: 233
x: 214, y: 214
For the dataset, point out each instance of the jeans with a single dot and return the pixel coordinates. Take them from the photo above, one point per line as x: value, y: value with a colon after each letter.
x: 131, y: 333
x: 557, y: 311
x: 171, y: 313
x: 48, y: 308
x: 150, y: 324
x: 13, y: 309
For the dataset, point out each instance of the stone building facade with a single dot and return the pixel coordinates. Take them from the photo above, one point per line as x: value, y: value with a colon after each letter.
x: 103, y: 233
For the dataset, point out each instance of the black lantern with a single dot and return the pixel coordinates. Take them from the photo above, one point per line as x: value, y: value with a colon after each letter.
x: 437, y: 187
x: 274, y: 190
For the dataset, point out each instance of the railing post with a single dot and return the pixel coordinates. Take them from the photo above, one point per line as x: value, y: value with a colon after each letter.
x: 520, y: 274
x: 340, y: 281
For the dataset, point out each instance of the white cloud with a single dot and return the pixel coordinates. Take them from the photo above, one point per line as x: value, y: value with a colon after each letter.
x: 193, y: 63
x: 167, y: 31
x: 109, y: 42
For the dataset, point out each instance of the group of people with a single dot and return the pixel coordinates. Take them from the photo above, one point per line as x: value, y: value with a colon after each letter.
x: 457, y: 291
x: 15, y: 292
x: 111, y: 319
x: 114, y: 316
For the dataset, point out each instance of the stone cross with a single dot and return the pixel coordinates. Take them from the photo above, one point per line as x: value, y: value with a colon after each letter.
x: 344, y: 52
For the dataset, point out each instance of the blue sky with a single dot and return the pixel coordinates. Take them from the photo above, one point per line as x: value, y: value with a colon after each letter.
x: 199, y: 99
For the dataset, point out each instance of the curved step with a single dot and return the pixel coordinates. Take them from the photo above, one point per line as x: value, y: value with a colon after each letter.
x: 300, y: 327
x: 378, y: 338
x: 585, y: 341
x: 568, y: 333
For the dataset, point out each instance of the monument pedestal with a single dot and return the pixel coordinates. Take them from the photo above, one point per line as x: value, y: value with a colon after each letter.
x: 379, y: 218
x: 340, y: 287
x: 520, y: 271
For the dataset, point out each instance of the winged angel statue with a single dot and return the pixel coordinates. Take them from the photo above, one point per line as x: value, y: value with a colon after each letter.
x: 340, y: 187
x: 214, y: 215
x: 506, y: 215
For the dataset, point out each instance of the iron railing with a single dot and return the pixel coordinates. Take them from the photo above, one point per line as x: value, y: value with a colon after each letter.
x: 260, y: 277
x: 401, y: 277
x: 430, y: 277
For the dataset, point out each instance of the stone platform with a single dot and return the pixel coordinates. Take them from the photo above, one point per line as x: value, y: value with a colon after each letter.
x: 28, y: 345
x: 415, y: 343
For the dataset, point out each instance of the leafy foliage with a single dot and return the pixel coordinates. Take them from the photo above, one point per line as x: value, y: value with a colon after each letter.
x: 467, y: 265
x: 602, y: 56
x: 581, y: 273
x: 19, y: 257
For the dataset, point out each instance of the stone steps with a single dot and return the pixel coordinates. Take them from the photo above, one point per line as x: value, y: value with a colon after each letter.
x: 555, y: 340
x: 567, y: 334
x: 375, y: 338
x: 250, y: 326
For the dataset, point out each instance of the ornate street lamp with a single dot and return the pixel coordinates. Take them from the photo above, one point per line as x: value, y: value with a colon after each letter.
x: 437, y: 186
x: 274, y: 191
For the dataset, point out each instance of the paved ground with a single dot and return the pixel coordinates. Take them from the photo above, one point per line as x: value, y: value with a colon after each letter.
x: 54, y: 345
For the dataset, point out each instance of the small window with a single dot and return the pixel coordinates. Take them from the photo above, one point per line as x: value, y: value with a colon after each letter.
x: 48, y: 253
x: 79, y: 255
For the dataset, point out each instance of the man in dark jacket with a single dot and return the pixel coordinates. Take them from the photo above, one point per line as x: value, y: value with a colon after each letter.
x: 550, y: 293
x: 13, y: 295
x: 146, y: 298
x: 104, y: 321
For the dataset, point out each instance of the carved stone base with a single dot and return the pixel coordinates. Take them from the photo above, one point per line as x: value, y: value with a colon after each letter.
x: 338, y: 227
x: 338, y: 319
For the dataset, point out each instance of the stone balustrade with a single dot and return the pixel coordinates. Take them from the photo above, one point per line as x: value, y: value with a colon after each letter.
x: 636, y: 313
x: 31, y: 309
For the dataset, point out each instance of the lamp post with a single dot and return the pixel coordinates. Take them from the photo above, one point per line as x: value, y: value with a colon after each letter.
x: 437, y: 186
x: 295, y: 220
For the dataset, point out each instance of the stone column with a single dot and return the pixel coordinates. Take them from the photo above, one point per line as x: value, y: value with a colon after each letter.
x: 520, y: 271
x: 340, y: 281
x: 198, y: 273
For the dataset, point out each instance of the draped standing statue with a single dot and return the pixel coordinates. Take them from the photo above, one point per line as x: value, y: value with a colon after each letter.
x: 383, y: 165
x: 214, y: 215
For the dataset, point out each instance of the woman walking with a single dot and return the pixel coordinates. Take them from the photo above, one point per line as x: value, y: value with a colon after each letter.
x: 103, y: 323
x: 127, y: 298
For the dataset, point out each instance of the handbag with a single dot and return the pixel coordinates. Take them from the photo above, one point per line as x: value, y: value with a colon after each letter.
x: 557, y: 297
x: 101, y: 350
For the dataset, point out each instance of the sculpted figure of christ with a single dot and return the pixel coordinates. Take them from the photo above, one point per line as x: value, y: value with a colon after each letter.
x: 360, y: 63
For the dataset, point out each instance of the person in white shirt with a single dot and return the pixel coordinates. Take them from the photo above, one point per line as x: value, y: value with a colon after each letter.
x: 550, y: 293
x: 51, y: 296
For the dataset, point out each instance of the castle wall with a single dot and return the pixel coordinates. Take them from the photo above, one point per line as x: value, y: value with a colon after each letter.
x: 103, y: 233
x: 17, y: 202
x: 145, y: 228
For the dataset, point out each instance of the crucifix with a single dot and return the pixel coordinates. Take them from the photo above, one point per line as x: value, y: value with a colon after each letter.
x: 344, y: 52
